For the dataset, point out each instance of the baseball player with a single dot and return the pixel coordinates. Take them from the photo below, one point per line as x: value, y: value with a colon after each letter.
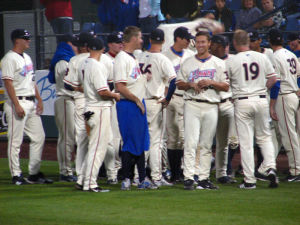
x: 285, y: 108
x: 177, y: 53
x: 64, y: 107
x: 71, y: 82
x: 131, y: 111
x: 226, y: 131
x: 249, y: 73
x: 159, y: 71
x: 294, y: 44
x: 97, y: 113
x: 22, y: 113
x: 201, y: 77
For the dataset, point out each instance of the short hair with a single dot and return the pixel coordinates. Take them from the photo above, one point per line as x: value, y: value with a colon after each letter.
x: 243, y: 3
x: 130, y: 32
x: 204, y: 33
x: 241, y: 37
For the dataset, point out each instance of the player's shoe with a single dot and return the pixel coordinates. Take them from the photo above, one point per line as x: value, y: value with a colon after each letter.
x: 167, y: 175
x: 69, y: 178
x: 125, y: 186
x: 188, y: 184
x: 135, y: 182
x: 196, y: 179
x: 112, y: 181
x: 260, y: 176
x: 19, y: 180
x: 245, y: 185
x: 145, y: 184
x: 272, y: 177
x: 226, y: 180
x: 39, y: 178
x: 78, y: 187
x: 291, y: 178
x: 97, y: 190
x: 164, y: 182
x: 206, y: 184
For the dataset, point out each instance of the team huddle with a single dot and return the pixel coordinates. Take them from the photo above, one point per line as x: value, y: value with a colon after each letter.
x: 162, y: 109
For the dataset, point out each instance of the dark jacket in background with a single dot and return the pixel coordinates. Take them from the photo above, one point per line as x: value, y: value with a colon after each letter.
x: 226, y: 17
x: 178, y: 8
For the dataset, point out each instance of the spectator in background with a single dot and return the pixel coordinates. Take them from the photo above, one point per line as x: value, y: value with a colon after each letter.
x: 224, y: 15
x: 274, y: 21
x: 294, y: 44
x: 129, y: 12
x: 60, y: 16
x: 149, y: 17
x: 177, y: 11
x: 248, y: 14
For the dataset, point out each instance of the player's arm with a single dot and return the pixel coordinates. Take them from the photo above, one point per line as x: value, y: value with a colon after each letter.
x: 108, y: 95
x: 8, y: 84
x: 39, y: 106
x: 169, y: 93
x: 184, y: 85
x: 219, y: 86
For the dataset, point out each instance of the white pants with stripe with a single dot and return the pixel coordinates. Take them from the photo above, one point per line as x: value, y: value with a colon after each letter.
x: 252, y: 118
x: 99, y: 138
x: 286, y: 109
x: 32, y: 126
x: 64, y: 118
x: 200, y: 122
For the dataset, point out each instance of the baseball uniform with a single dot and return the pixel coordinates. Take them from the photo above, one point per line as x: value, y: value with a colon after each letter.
x: 200, y: 114
x: 248, y: 72
x: 19, y: 69
x: 287, y: 104
x: 159, y: 71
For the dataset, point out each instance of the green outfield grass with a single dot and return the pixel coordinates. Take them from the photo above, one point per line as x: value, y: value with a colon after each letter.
x: 60, y: 204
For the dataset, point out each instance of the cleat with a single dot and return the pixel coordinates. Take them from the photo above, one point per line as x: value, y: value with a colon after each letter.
x: 38, y: 178
x: 226, y: 180
x: 206, y: 184
x: 146, y: 185
x: 188, y: 184
x: 19, y: 180
x: 69, y: 178
x: 245, y: 185
x: 112, y: 181
x: 79, y: 187
x: 271, y: 176
x: 97, y: 190
x: 125, y: 186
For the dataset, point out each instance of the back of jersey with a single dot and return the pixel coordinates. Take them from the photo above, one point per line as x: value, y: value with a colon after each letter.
x: 248, y: 72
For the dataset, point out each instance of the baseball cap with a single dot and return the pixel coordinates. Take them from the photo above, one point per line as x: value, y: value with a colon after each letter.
x: 69, y: 38
x: 84, y: 38
x: 275, y: 36
x: 293, y: 37
x: 20, y: 34
x: 220, y: 39
x: 183, y: 32
x: 116, y: 37
x: 254, y: 36
x: 95, y: 44
x: 157, y: 35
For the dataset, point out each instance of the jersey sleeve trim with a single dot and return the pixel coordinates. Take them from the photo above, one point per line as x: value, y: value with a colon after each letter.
x: 102, y: 89
x: 72, y: 84
x: 110, y: 81
x: 271, y: 75
x: 7, y: 78
x: 171, y: 78
x: 121, y: 81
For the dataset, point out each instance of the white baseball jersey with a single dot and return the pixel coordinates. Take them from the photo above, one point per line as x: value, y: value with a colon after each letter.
x: 60, y: 71
x: 248, y: 73
x: 269, y: 53
x: 193, y: 70
x: 126, y: 70
x: 228, y: 94
x: 288, y: 69
x: 94, y: 80
x: 159, y: 70
x: 19, y: 69
x: 177, y: 61
x: 72, y: 77
x: 109, y: 55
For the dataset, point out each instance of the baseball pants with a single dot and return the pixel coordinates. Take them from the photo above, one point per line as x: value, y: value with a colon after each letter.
x: 64, y: 118
x: 200, y: 123
x: 252, y: 117
x: 226, y: 135
x: 31, y: 125
x: 99, y: 138
x: 286, y: 109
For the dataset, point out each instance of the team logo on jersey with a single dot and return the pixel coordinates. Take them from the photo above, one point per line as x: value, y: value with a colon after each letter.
x: 26, y: 70
x: 194, y: 75
x: 136, y: 72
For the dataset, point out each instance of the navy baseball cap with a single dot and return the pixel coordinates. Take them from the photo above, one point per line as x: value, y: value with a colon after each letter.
x: 254, y: 36
x: 275, y: 36
x: 220, y: 39
x: 20, y: 34
x: 84, y: 38
x: 95, y: 44
x: 293, y: 37
x: 157, y: 35
x: 183, y: 33
x: 69, y: 38
x: 116, y: 37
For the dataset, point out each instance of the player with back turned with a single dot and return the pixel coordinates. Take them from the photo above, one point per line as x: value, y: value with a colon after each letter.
x: 250, y: 73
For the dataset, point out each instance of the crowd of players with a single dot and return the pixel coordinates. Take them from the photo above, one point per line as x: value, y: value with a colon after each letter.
x: 160, y: 109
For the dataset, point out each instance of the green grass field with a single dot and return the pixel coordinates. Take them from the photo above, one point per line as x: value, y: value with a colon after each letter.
x: 60, y: 204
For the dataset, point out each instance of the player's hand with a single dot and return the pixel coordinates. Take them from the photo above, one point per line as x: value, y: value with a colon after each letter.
x: 20, y: 111
x: 204, y: 83
x: 141, y: 106
x: 273, y: 114
x: 196, y: 88
x: 164, y: 102
x: 117, y: 97
x: 298, y: 93
x: 39, y: 107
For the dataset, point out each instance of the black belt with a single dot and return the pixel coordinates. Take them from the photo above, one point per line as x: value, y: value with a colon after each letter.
x: 198, y: 100
x: 178, y: 95
x: 242, y: 98
x: 29, y: 98
x: 152, y: 98
x: 225, y: 100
